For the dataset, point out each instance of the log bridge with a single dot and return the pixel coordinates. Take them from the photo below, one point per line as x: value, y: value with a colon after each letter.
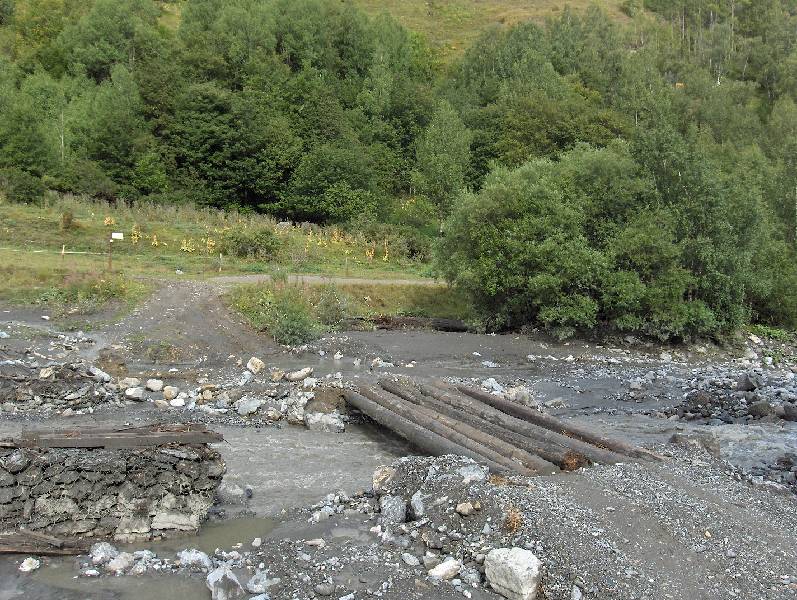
x: 438, y: 418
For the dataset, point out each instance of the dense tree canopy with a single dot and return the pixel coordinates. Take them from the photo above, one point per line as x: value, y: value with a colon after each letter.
x: 641, y: 176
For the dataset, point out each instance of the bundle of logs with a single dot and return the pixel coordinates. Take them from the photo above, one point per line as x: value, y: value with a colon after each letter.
x: 438, y: 418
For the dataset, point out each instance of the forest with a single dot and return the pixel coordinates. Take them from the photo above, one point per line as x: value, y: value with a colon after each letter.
x: 576, y: 174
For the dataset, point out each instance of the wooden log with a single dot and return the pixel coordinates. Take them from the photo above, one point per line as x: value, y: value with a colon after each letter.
x: 424, y: 419
x: 418, y: 436
x: 43, y: 538
x: 504, y: 453
x: 564, y: 458
x: 552, y: 423
x: 152, y: 435
x: 539, y: 434
x: 21, y: 544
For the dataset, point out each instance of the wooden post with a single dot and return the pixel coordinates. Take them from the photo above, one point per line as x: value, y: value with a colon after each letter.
x: 63, y: 254
x: 110, y: 247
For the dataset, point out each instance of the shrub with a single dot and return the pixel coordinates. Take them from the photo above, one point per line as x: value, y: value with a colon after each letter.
x: 21, y: 186
x: 250, y: 242
x: 67, y: 220
x: 283, y: 312
x: 331, y: 306
x: 574, y: 243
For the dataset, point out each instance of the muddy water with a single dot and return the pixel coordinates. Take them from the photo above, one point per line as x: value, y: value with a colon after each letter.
x: 59, y: 575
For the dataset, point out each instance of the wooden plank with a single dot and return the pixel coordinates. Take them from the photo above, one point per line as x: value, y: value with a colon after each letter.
x: 121, y: 441
x: 134, y: 437
x: 43, y: 538
x: 19, y: 544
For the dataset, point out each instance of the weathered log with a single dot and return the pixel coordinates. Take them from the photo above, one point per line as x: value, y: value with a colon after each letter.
x: 564, y: 458
x: 474, y: 439
x: 539, y: 434
x: 424, y: 418
x: 418, y: 436
x: 569, y: 429
x: 24, y: 544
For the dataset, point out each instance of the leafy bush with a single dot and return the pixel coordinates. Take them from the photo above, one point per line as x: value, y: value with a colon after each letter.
x: 90, y: 291
x: 250, y: 242
x: 21, y: 186
x: 330, y: 306
x: 572, y: 244
x: 283, y: 312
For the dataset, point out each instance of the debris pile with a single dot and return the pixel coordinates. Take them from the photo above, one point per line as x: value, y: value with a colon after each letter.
x: 77, y: 387
x: 755, y: 395
x: 294, y: 396
x: 129, y: 493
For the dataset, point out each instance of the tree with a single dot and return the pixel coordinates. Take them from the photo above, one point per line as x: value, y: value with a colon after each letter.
x: 442, y: 157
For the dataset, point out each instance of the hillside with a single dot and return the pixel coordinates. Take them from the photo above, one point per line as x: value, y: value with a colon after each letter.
x: 452, y: 25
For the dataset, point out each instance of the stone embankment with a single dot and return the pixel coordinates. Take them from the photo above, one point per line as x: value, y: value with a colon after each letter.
x: 127, y: 494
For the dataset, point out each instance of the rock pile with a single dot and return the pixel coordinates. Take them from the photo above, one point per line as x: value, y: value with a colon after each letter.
x: 257, y: 396
x: 753, y: 395
x: 25, y: 386
x: 128, y: 494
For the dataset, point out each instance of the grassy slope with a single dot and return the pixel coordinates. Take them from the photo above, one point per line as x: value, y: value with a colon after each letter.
x: 183, y: 238
x: 451, y: 26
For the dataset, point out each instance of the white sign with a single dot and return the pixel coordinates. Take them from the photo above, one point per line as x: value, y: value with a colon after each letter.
x: 117, y: 235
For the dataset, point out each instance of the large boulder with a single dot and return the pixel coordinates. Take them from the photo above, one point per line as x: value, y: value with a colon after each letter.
x: 224, y: 585
x: 393, y: 510
x: 324, y: 422
x: 513, y: 572
x: 749, y: 382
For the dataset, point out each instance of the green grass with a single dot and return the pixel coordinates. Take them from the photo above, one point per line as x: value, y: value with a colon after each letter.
x: 295, y: 314
x: 451, y: 26
x: 36, y: 280
x: 159, y: 241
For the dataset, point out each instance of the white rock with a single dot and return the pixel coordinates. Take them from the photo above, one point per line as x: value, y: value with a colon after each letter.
x: 382, y: 476
x: 177, y: 402
x: 135, y: 393
x: 255, y: 365
x: 99, y: 374
x: 257, y: 542
x: 195, y: 559
x: 410, y: 559
x: 474, y: 472
x: 309, y: 383
x: 299, y: 375
x: 324, y: 422
x: 248, y: 406
x: 29, y: 564
x: 513, y: 572
x: 260, y: 582
x: 170, y: 392
x: 154, y: 385
x: 448, y: 569
x: 129, y: 382
x: 223, y: 584
x: 46, y: 373
x: 102, y: 552
x: 121, y: 563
